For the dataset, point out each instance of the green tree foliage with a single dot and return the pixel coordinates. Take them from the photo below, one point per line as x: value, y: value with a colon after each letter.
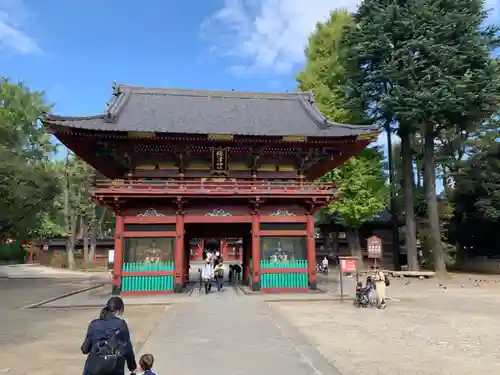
x: 362, y: 188
x: 324, y: 72
x: 27, y: 180
x: 476, y: 199
x: 362, y: 183
x: 370, y: 54
x: 362, y: 193
x: 78, y: 216
x: 426, y: 65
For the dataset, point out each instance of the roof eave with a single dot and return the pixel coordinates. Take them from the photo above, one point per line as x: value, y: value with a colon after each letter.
x: 309, y: 105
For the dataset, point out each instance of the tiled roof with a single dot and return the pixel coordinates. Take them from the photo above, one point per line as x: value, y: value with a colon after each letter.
x: 211, y: 112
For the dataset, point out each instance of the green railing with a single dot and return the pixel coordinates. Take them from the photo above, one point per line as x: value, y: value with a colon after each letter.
x: 296, y: 279
x: 145, y: 282
x: 284, y: 264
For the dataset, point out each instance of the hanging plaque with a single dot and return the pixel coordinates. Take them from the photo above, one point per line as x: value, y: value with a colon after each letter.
x: 220, y: 164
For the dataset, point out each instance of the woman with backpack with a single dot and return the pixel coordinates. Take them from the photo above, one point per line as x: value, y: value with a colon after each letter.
x: 107, y: 343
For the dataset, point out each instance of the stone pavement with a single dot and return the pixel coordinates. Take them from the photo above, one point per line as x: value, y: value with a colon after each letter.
x: 35, y: 271
x: 224, y: 333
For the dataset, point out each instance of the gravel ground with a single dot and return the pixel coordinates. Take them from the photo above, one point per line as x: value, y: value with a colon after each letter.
x: 432, y: 327
x: 35, y: 341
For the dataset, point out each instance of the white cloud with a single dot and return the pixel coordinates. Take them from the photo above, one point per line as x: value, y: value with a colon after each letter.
x: 14, y: 17
x: 269, y: 36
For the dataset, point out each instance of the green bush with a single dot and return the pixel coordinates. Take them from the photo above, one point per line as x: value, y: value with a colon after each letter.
x: 11, y: 252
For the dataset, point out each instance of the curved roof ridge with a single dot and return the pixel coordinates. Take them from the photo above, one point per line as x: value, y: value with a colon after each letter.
x: 49, y: 117
x: 118, y: 103
x: 142, y: 90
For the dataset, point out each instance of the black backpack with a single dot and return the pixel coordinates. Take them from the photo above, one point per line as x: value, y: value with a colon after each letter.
x: 106, y: 355
x: 387, y: 280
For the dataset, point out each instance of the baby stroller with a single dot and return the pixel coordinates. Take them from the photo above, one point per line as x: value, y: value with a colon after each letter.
x: 363, y: 293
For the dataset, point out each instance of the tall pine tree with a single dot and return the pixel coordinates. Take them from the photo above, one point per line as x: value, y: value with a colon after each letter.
x: 427, y: 65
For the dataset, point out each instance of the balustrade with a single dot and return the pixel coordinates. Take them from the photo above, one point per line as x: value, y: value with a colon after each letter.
x: 213, y: 187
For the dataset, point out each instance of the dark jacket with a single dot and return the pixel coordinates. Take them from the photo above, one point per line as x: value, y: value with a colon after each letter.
x: 98, y: 330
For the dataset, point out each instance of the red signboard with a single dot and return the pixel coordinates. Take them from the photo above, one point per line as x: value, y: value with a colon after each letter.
x: 374, y: 247
x: 348, y: 265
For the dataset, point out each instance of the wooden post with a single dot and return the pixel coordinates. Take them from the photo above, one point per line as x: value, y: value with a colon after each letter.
x: 179, y: 253
x: 246, y: 259
x: 199, y: 250
x: 311, y: 252
x: 118, y: 258
x: 223, y: 248
x: 256, y: 252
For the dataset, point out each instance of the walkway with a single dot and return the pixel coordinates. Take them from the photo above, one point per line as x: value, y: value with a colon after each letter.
x: 35, y: 271
x: 227, y: 334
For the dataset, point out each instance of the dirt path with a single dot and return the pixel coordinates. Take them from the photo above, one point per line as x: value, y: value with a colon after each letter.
x: 445, y: 327
x: 35, y: 341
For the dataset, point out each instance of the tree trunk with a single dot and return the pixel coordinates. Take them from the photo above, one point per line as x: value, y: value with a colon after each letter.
x: 335, y: 242
x: 80, y: 230
x: 432, y: 202
x: 85, y: 234
x: 70, y: 221
x: 93, y: 242
x: 355, y: 246
x: 325, y: 232
x: 101, y: 223
x: 70, y: 246
x: 411, y: 228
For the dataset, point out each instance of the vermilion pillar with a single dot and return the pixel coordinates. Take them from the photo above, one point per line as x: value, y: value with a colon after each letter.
x: 311, y: 252
x: 118, y: 258
x: 32, y: 248
x: 246, y: 259
x: 187, y: 260
x: 255, y: 252
x: 199, y: 255
x: 179, y: 253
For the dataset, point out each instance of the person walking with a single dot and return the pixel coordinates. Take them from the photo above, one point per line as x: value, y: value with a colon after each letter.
x: 146, y: 364
x: 107, y: 343
x: 324, y: 264
x: 207, y: 273
x: 209, y: 256
x: 381, y: 283
x: 219, y: 274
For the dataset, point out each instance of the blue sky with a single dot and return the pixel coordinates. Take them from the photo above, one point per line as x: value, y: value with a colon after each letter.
x: 74, y: 50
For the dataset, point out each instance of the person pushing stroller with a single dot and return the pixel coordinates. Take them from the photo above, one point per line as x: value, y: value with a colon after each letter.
x: 363, y: 293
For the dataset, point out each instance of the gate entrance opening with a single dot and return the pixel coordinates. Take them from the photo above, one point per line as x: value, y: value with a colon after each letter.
x: 231, y: 240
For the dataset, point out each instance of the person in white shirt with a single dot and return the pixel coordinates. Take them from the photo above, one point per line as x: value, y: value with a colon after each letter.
x: 207, y: 274
x: 381, y: 287
x: 324, y: 262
